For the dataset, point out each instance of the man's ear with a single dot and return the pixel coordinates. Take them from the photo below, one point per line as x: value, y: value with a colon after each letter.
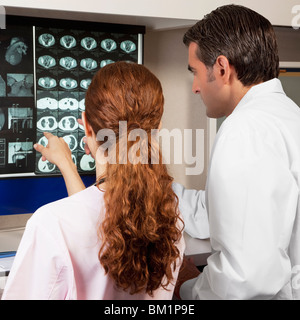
x: 87, y: 128
x: 223, y: 68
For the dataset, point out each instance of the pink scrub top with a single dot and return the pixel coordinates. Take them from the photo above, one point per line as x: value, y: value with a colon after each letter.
x: 58, y: 255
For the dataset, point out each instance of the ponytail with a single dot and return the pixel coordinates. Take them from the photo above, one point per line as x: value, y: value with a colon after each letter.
x: 139, y: 233
x: 142, y: 226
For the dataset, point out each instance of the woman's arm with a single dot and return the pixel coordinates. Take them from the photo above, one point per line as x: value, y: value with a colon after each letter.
x: 59, y: 153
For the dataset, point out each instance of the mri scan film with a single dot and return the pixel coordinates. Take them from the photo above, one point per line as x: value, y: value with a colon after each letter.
x: 45, y: 72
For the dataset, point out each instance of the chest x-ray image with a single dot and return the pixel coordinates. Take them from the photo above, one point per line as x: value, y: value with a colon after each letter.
x: 47, y: 103
x: 47, y: 123
x: 69, y: 103
x: 45, y: 72
x: 71, y: 141
x: 45, y: 166
x: 87, y: 163
x: 68, y: 123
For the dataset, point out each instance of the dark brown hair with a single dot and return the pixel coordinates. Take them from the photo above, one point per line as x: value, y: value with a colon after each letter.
x: 245, y: 37
x: 141, y: 226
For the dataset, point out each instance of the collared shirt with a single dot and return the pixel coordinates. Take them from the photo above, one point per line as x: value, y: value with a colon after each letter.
x: 58, y: 255
x: 252, y: 200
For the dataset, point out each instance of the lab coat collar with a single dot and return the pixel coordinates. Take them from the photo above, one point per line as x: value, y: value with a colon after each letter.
x: 270, y: 86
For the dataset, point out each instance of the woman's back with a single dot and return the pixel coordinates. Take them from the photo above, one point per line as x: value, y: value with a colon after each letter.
x: 60, y: 251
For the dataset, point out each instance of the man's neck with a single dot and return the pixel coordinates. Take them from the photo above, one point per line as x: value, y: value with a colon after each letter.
x: 238, y: 93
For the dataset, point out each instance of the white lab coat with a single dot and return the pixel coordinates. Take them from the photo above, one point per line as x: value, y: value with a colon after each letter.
x: 193, y: 208
x: 252, y: 200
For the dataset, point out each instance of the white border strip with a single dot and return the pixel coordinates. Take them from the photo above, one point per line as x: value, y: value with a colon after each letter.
x: 17, y: 175
x: 34, y: 67
x: 140, y: 48
x: 289, y: 64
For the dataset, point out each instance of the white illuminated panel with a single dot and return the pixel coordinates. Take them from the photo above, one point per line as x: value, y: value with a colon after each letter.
x: 46, y: 70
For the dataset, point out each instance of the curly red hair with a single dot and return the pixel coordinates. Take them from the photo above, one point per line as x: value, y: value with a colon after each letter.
x: 142, y: 225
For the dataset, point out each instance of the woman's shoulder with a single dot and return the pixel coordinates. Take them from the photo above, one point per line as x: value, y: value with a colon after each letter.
x: 85, y: 203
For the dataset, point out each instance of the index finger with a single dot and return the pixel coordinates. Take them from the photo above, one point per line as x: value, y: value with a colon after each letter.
x: 40, y: 148
x: 48, y: 135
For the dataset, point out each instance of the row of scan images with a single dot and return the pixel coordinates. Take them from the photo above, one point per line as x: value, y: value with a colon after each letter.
x: 68, y: 83
x: 66, y: 122
x: 88, y: 43
x: 85, y: 164
x: 47, y: 61
x: 20, y: 153
x: 63, y: 104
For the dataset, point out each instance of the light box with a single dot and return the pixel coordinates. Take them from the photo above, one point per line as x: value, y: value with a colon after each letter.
x: 46, y: 68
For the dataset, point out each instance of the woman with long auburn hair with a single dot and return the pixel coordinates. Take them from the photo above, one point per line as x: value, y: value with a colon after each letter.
x: 122, y: 237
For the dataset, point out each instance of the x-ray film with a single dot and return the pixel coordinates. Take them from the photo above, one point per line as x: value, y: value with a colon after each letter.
x: 45, y: 73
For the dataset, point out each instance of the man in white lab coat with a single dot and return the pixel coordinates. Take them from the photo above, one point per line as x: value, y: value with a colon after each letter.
x: 252, y: 190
